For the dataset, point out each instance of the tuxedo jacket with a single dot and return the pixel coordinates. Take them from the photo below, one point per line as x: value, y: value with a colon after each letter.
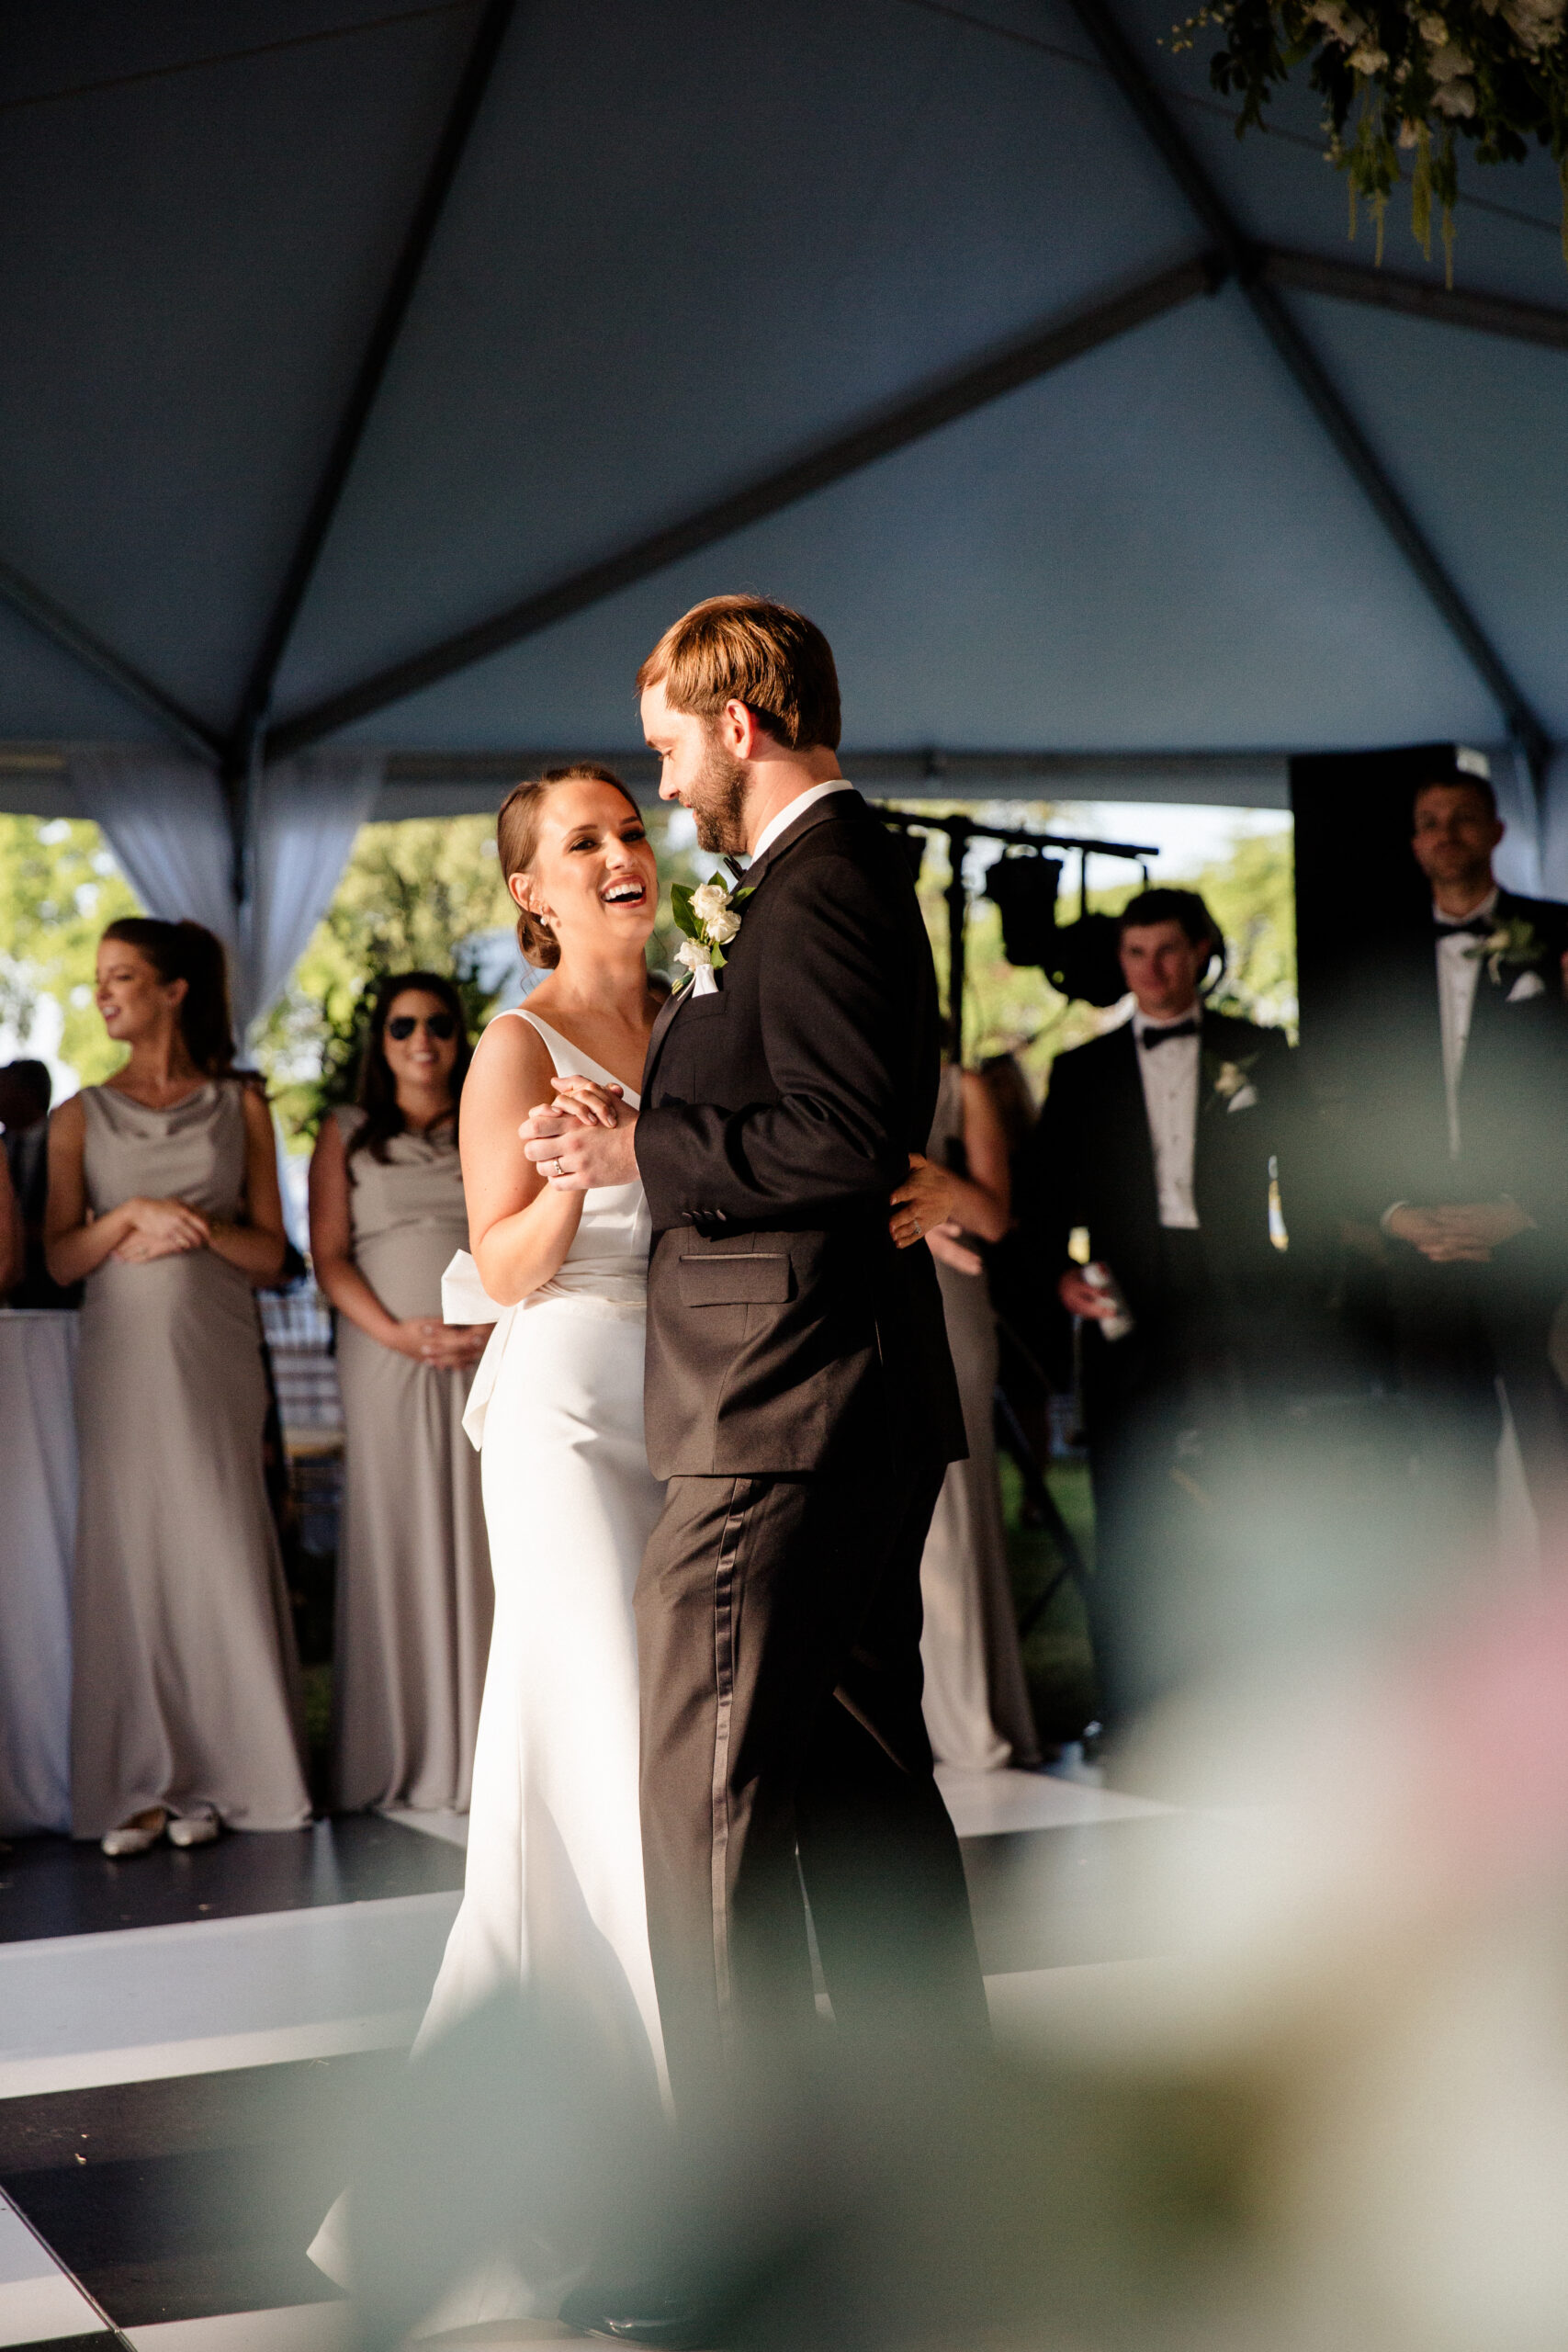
x: 1092, y: 1161
x: 1513, y: 1089
x: 785, y: 1334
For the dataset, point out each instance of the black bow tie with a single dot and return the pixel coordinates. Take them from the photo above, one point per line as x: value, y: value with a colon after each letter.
x: 1477, y: 927
x: 1162, y: 1036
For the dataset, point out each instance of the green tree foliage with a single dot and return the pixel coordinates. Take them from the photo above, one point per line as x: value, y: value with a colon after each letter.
x: 411, y: 895
x: 59, y: 889
x: 1252, y: 895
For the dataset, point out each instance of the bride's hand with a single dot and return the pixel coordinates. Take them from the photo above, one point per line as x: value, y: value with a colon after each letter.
x: 577, y: 1149
x: 596, y: 1105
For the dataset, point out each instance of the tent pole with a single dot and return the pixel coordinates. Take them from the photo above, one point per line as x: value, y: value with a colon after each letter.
x: 251, y: 717
x: 62, y: 628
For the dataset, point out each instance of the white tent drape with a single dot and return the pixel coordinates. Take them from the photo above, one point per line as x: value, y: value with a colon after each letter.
x: 1521, y: 860
x: 165, y: 820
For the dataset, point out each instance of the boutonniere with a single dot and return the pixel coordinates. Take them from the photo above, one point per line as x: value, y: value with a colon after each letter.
x: 1511, y: 944
x: 1229, y: 1081
x: 708, y: 917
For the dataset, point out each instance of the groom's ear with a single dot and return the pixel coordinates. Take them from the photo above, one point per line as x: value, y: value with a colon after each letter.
x: 741, y: 730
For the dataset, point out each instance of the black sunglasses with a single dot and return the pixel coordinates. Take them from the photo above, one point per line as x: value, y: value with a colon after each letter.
x: 403, y: 1024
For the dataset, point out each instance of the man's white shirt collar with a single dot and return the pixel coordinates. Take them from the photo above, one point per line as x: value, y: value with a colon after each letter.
x: 796, y: 808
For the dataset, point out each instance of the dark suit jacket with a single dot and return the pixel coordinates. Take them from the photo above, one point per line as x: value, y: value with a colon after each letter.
x: 1092, y: 1162
x: 785, y: 1334
x: 1513, y: 1092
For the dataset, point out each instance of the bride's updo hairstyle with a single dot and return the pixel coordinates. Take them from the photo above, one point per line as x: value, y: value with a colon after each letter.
x: 189, y: 952
x: 517, y: 845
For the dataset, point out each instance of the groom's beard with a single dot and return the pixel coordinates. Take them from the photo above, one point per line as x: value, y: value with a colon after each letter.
x: 718, y: 800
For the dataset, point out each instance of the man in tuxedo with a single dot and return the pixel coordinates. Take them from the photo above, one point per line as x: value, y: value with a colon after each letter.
x: 1459, y: 1099
x: 800, y: 1396
x: 1159, y: 1139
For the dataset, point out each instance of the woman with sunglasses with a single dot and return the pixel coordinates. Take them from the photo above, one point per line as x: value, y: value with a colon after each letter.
x: 413, y: 1588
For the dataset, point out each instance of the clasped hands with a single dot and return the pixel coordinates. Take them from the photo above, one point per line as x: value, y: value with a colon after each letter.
x: 160, y: 1229
x: 586, y: 1138
x: 1466, y: 1234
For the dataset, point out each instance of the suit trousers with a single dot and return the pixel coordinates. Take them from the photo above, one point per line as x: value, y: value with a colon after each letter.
x: 782, y: 1747
x: 1162, y: 1406
x: 1461, y: 1330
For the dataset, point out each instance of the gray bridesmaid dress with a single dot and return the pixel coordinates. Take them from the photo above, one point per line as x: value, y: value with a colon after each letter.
x: 185, y: 1683
x: 414, y: 1595
x: 976, y: 1700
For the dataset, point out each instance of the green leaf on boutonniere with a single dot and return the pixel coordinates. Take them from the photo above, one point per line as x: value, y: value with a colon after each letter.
x: 681, y: 910
x: 1513, y: 943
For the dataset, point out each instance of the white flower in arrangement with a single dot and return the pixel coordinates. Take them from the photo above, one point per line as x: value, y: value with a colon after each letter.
x: 694, y: 958
x: 1422, y: 75
x: 1232, y: 1078
x: 723, y: 926
x: 710, y: 900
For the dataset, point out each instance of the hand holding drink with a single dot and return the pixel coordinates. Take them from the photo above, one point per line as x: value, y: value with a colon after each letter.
x: 1097, y: 1296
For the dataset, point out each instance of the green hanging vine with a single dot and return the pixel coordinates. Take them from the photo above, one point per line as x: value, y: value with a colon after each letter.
x: 1416, y: 78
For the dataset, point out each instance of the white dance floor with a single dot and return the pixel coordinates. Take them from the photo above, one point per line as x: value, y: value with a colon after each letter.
x: 207, y: 1999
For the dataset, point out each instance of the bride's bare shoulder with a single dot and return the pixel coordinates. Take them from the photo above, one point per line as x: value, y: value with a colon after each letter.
x: 511, y: 1053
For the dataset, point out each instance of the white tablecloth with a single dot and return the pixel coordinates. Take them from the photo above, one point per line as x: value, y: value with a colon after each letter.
x: 38, y: 1529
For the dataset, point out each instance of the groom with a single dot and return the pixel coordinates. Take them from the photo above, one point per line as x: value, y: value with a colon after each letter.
x: 800, y: 1397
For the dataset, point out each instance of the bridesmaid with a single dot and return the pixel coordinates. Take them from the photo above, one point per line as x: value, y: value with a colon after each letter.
x: 976, y: 1700
x: 413, y: 1588
x: 163, y: 1193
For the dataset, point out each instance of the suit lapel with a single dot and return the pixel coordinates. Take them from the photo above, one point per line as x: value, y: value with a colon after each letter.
x: 1127, y: 1078
x: 657, y: 1035
x: 832, y: 803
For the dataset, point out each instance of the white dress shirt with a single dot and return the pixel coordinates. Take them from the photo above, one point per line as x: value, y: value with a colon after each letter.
x: 1459, y: 969
x: 1169, y: 1074
x: 796, y: 808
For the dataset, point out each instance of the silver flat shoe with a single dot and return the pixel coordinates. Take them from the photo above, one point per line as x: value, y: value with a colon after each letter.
x: 193, y: 1829
x: 132, y: 1837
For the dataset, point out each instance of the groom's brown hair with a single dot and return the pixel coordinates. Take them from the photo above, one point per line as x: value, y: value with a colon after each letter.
x: 747, y: 649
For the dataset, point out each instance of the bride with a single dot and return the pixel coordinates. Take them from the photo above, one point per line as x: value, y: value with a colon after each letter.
x: 553, y: 1884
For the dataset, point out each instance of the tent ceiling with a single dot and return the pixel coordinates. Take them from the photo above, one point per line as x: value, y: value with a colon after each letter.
x: 681, y: 249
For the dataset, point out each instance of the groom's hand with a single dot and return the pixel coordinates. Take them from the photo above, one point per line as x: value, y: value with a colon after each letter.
x: 583, y: 1139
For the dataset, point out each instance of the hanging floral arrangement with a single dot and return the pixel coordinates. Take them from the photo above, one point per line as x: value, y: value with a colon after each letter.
x: 1414, y: 76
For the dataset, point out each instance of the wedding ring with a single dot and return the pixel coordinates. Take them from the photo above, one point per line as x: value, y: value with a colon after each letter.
x: 555, y: 1168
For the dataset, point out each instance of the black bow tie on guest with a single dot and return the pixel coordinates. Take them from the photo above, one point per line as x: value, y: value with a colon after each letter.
x: 1477, y: 927
x: 1177, y: 1029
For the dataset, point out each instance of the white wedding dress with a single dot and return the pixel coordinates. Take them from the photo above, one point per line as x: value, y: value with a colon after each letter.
x: 554, y: 1887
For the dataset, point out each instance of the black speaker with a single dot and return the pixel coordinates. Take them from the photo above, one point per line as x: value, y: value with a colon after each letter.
x: 1358, y: 885
x: 1025, y: 890
x: 1087, y: 961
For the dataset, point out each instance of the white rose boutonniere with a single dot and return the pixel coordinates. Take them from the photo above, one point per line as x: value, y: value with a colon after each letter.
x: 1512, y: 945
x: 709, y: 919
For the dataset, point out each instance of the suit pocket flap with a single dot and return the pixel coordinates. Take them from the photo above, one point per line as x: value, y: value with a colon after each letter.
x: 735, y: 1277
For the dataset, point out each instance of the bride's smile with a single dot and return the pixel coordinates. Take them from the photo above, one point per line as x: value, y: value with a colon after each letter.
x: 591, y: 864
